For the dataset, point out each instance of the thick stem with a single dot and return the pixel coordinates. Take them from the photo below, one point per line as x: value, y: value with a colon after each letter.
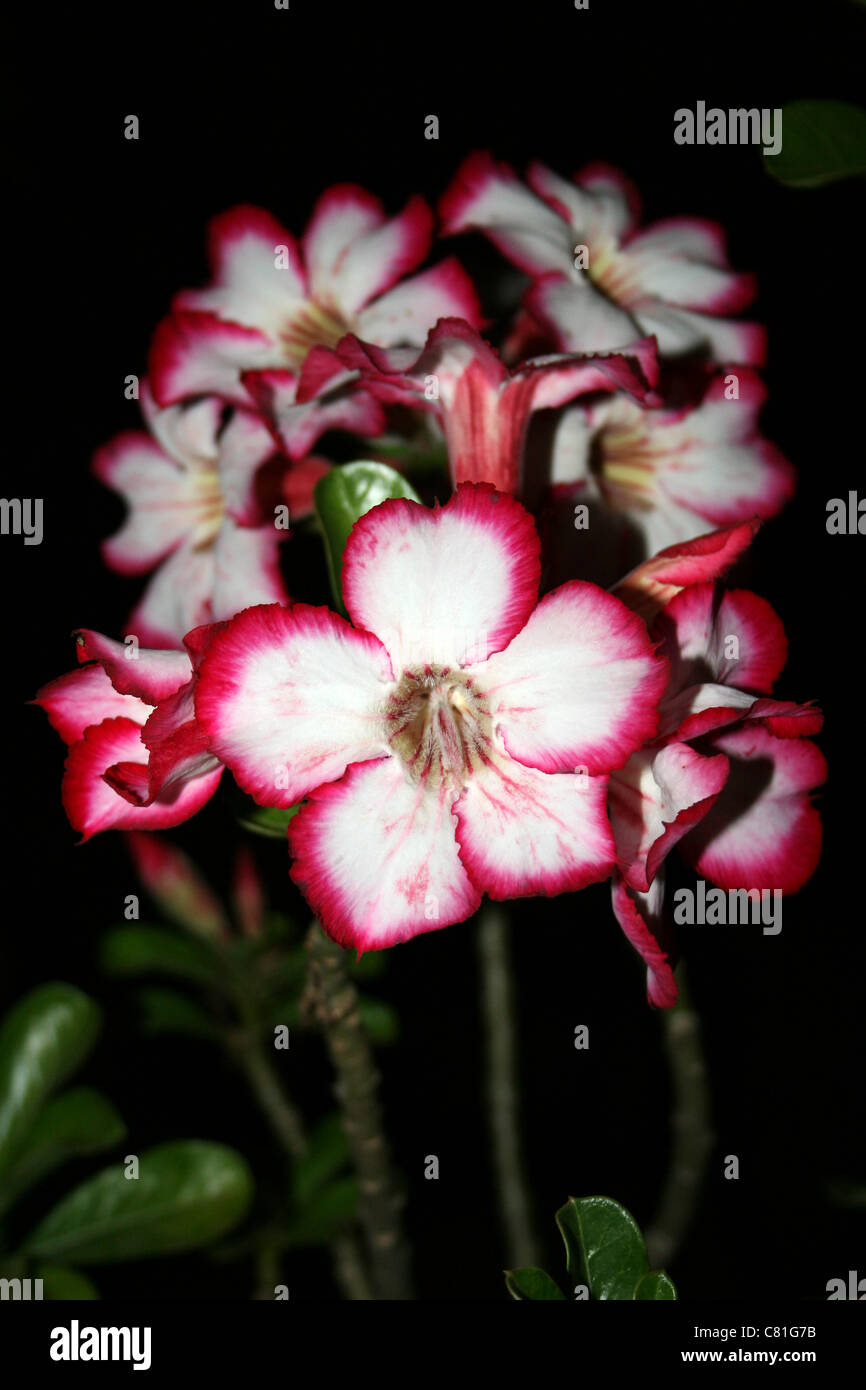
x: 350, y: 1268
x: 502, y: 1088
x: 333, y: 1000
x: 692, y: 1135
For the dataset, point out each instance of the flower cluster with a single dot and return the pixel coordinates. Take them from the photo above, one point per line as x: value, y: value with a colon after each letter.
x: 540, y: 682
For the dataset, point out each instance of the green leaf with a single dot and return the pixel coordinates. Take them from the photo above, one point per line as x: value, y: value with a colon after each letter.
x: 821, y: 141
x: 43, y: 1040
x: 60, y: 1283
x: 327, y: 1211
x: 143, y: 950
x: 345, y: 494
x: 327, y: 1153
x: 656, y: 1287
x: 269, y: 821
x: 187, y: 1194
x: 604, y: 1247
x: 78, y: 1122
x: 169, y: 1011
x: 531, y: 1283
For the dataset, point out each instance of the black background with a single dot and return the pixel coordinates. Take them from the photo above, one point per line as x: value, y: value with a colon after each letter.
x: 247, y: 103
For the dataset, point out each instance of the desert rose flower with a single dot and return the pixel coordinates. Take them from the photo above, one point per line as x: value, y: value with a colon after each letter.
x: 600, y: 281
x: 137, y: 759
x: 483, y: 407
x: 728, y: 776
x: 455, y: 741
x: 194, y: 517
x: 272, y: 297
x: 662, y: 476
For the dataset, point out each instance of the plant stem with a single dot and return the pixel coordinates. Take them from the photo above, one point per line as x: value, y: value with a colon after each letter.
x: 350, y: 1268
x: 288, y: 1126
x: 502, y: 1088
x: 283, y: 1117
x: 333, y: 1000
x: 692, y: 1135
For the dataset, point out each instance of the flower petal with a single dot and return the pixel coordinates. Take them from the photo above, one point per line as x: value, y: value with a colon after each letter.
x: 641, y: 916
x: 522, y: 832
x: 376, y: 858
x: 250, y: 287
x: 408, y: 312
x: 197, y: 354
x: 80, y: 698
x: 288, y: 697
x: 178, y: 597
x: 342, y: 214
x: 487, y: 195
x: 763, y: 831
x: 151, y: 675
x: 378, y: 259
x: 93, y: 805
x: 161, y: 497
x: 578, y: 686
x: 435, y: 586
x: 656, y: 799
x: 727, y: 637
x: 339, y: 403
x: 653, y: 584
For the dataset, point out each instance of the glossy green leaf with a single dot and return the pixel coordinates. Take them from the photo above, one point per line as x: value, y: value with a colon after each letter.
x: 604, y: 1247
x: 43, y: 1040
x: 327, y: 1152
x: 188, y: 1193
x: 531, y: 1283
x: 60, y: 1283
x: 77, y: 1122
x: 169, y: 1011
x: 345, y: 494
x: 821, y: 141
x: 269, y: 821
x: 655, y: 1287
x: 144, y: 950
x: 327, y: 1211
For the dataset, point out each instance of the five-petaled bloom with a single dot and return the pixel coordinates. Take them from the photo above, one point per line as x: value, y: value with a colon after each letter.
x: 456, y: 741
x: 600, y: 280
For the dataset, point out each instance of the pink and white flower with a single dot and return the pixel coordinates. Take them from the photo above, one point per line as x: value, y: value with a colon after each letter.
x: 728, y: 776
x: 272, y: 298
x: 456, y: 740
x: 670, y: 279
x: 194, y: 516
x: 664, y: 476
x: 137, y: 758
x: 484, y: 408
